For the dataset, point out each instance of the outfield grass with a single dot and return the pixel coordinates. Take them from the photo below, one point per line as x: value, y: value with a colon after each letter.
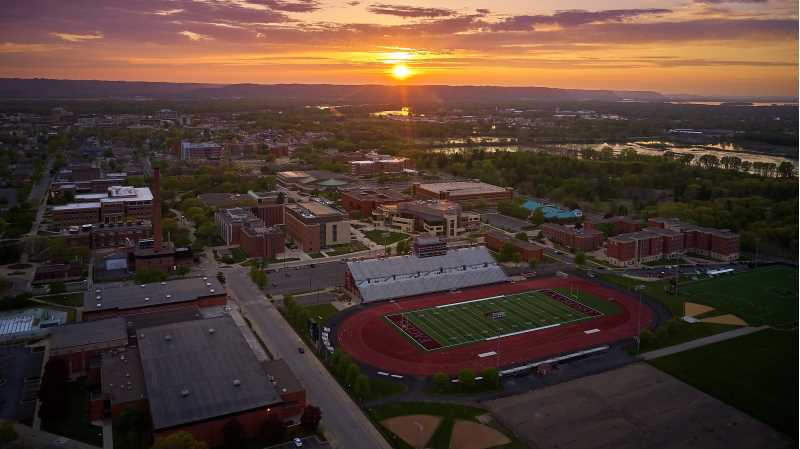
x: 385, y: 237
x: 466, y: 322
x: 756, y: 373
x: 767, y: 295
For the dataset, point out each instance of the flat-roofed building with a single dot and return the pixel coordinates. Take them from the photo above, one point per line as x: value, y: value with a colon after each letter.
x: 268, y: 206
x: 366, y: 200
x: 463, y: 192
x: 433, y: 217
x: 617, y: 225
x: 81, y: 344
x: 429, y: 245
x: 719, y: 244
x: 200, y: 151
x: 573, y: 238
x: 528, y: 251
x: 314, y: 225
x: 311, y: 180
x: 157, y: 297
x: 381, y: 164
x: 238, y: 226
x: 119, y: 204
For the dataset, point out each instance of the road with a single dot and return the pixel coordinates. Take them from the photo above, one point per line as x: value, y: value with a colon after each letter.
x: 669, y: 350
x: 345, y: 424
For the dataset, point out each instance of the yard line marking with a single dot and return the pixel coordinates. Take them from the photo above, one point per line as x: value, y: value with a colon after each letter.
x: 523, y: 332
x: 466, y: 302
x: 591, y: 331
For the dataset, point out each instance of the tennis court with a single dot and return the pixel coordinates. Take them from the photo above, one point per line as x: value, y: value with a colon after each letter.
x: 465, y: 322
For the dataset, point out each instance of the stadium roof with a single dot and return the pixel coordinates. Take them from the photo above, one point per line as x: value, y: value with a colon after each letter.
x: 201, y: 369
x: 402, y: 276
x: 134, y: 296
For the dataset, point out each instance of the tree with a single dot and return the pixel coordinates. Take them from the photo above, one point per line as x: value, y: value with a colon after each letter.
x: 351, y: 374
x: 53, y: 390
x: 362, y: 387
x: 521, y: 236
x: 57, y: 288
x: 537, y: 218
x: 440, y: 381
x: 233, y: 434
x: 466, y: 377
x: 311, y: 418
x: 273, y: 429
x: 506, y: 252
x: 786, y: 169
x: 149, y: 276
x: 7, y: 432
x: 259, y: 277
x: 580, y: 258
x: 131, y: 427
x: 179, y: 440
x: 491, y: 377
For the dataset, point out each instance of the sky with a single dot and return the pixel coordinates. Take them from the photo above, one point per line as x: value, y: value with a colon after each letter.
x: 704, y: 47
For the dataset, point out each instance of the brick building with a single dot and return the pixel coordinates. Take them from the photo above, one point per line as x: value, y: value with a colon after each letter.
x: 81, y: 344
x: 573, y: 238
x: 463, y: 192
x: 119, y: 204
x: 719, y: 244
x: 428, y: 246
x: 268, y: 206
x: 200, y: 151
x: 384, y: 164
x: 314, y: 225
x: 239, y: 226
x: 528, y: 251
x: 153, y: 298
x: 617, y: 225
x: 434, y: 217
x: 366, y: 200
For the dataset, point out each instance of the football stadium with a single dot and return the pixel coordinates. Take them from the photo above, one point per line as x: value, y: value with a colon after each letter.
x: 503, y: 324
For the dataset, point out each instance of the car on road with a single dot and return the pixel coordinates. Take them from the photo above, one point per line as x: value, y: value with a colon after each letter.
x: 297, y: 442
x: 301, y: 350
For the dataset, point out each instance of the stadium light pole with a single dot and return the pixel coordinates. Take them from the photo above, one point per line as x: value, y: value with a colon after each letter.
x: 639, y: 289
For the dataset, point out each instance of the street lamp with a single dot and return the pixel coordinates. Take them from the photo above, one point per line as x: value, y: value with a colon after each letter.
x: 639, y: 289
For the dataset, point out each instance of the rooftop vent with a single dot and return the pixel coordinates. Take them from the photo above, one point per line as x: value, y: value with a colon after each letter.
x: 208, y: 284
x: 163, y: 283
x: 236, y: 382
x: 169, y: 296
x: 147, y: 298
x: 205, y: 278
x: 97, y: 291
x: 212, y: 290
x: 99, y: 305
x: 168, y: 337
x: 98, y: 297
x: 211, y: 330
x: 184, y: 393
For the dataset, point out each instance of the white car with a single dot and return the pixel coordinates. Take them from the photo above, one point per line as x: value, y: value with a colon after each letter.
x: 297, y: 442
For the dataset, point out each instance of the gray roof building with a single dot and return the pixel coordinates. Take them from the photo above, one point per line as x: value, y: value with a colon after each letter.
x: 402, y: 276
x: 202, y: 369
x: 97, y: 334
x: 157, y: 293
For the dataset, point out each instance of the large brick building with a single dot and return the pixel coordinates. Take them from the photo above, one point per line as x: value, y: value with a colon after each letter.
x: 314, y: 225
x: 433, y: 217
x: 667, y: 238
x: 200, y: 151
x: 528, y: 251
x: 366, y: 200
x: 617, y: 225
x: 119, y: 204
x: 152, y: 298
x: 573, y: 238
x: 463, y: 192
x: 239, y: 226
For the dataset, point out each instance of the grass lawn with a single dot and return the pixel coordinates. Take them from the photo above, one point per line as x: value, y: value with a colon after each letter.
x: 604, y: 306
x: 347, y: 248
x: 469, y: 321
x: 64, y: 299
x: 76, y: 423
x: 441, y: 437
x: 756, y: 373
x: 655, y: 290
x: 323, y: 311
x: 385, y: 237
x: 767, y: 295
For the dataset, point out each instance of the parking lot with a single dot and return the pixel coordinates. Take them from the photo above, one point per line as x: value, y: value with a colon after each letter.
x: 510, y: 224
x: 306, y: 278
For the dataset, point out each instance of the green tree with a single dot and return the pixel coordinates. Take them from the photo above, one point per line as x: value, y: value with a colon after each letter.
x: 149, y: 276
x: 491, y: 377
x: 440, y: 381
x: 362, y: 387
x: 352, y: 374
x: 466, y: 378
x: 57, y: 288
x: 521, y: 236
x: 537, y: 217
x: 179, y: 440
x: 580, y: 258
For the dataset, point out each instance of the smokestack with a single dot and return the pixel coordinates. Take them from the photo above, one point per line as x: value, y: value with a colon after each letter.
x: 156, y: 190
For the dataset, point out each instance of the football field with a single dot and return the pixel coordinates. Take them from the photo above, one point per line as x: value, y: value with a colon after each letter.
x: 489, y: 318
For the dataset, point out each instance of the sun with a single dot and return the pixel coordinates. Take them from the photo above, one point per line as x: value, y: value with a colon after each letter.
x: 401, y: 71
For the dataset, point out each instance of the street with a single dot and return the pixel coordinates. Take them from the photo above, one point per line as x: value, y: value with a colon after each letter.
x: 345, y: 424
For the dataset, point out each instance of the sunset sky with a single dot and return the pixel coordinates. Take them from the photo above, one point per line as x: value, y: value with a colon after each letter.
x: 709, y: 47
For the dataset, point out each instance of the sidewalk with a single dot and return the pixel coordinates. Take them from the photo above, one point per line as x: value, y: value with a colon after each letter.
x: 689, y: 345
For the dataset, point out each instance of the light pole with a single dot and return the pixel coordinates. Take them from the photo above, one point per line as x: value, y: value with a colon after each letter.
x: 639, y: 289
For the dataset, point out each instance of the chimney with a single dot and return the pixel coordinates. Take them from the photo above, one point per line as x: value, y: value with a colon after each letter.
x: 156, y: 190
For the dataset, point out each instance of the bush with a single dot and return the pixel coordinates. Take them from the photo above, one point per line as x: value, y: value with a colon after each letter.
x: 491, y: 377
x: 179, y: 440
x: 7, y: 432
x: 149, y: 276
x: 440, y: 381
x: 466, y: 377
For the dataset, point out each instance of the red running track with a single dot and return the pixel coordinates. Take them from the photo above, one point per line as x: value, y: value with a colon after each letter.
x: 370, y: 339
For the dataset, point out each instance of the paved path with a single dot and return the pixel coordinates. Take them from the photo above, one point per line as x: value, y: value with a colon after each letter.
x: 701, y: 342
x: 345, y: 424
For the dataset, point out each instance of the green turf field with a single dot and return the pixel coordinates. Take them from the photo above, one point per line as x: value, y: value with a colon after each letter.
x: 466, y: 322
x: 766, y: 295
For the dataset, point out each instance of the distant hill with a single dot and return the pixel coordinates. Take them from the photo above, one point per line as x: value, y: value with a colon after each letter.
x: 16, y: 88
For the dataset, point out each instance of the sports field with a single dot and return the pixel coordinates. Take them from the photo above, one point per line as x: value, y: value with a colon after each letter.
x: 465, y: 322
x: 766, y: 295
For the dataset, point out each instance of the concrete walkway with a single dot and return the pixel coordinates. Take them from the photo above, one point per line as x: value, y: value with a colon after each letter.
x: 700, y: 342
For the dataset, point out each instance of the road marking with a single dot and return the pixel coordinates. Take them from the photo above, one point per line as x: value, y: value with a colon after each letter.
x: 487, y: 354
x: 591, y: 331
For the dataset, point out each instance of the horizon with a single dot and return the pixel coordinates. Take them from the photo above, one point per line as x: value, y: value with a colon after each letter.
x: 692, y: 47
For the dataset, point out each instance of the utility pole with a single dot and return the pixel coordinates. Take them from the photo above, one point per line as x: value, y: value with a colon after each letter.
x: 639, y: 289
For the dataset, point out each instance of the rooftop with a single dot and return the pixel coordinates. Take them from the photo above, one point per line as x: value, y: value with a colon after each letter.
x: 202, y: 369
x: 88, y: 333
x: 313, y: 209
x: 458, y: 188
x: 121, y: 372
x: 169, y: 292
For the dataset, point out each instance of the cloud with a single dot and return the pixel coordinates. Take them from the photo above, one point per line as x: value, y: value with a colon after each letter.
x: 69, y: 37
x: 14, y: 47
x: 730, y: 1
x: 289, y: 6
x: 409, y: 11
x: 353, y: 3
x: 195, y: 36
x: 573, y: 18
